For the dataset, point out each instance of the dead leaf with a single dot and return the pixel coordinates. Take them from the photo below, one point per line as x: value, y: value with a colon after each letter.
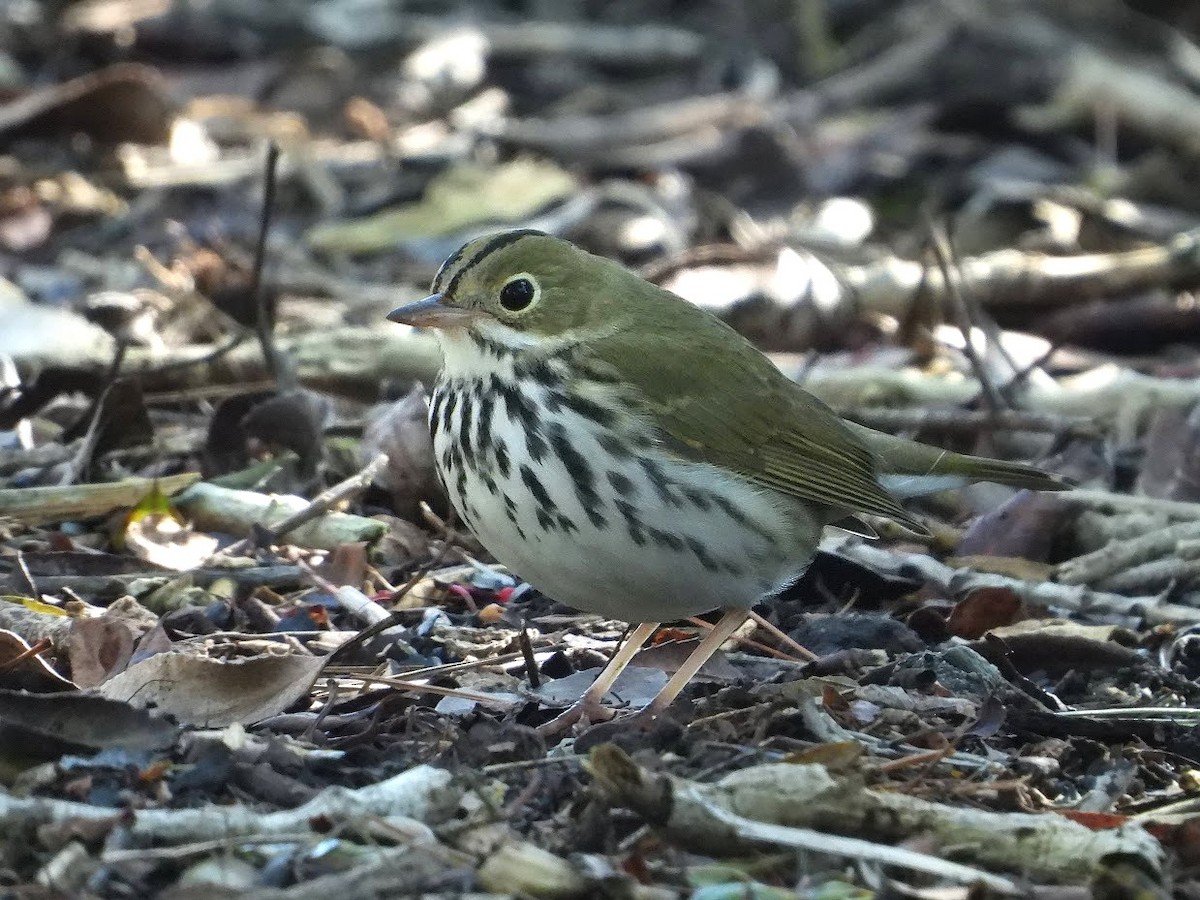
x: 1025, y: 527
x: 983, y: 609
x: 635, y: 687
x: 125, y: 102
x: 401, y: 431
x: 836, y: 755
x: 670, y: 655
x: 1056, y: 654
x: 1066, y: 628
x: 464, y: 196
x: 99, y: 647
x: 1171, y: 467
x: 346, y: 565
x: 989, y: 719
x: 200, y: 690
x: 86, y: 719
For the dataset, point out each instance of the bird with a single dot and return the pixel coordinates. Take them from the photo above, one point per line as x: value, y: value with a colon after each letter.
x: 629, y: 454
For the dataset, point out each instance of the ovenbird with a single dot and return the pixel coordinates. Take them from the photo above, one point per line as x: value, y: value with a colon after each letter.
x: 629, y: 454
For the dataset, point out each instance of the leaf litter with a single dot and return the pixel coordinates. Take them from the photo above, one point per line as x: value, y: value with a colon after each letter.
x: 243, y: 644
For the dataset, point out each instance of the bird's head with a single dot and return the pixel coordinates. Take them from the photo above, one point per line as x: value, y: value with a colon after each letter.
x: 521, y: 289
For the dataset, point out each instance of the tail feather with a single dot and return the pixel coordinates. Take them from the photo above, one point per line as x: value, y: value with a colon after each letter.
x: 905, y: 462
x: 980, y: 468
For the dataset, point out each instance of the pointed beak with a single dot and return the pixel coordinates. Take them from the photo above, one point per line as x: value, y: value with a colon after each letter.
x: 433, y: 312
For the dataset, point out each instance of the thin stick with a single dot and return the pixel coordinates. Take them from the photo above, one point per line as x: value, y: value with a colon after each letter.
x: 942, y: 256
x: 742, y: 641
x: 803, y: 652
x: 531, y: 669
x: 401, y: 684
x: 262, y: 323
x: 318, y: 506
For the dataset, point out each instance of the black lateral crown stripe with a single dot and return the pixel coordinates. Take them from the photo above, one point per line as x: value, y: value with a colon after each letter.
x: 447, y: 265
x: 493, y: 244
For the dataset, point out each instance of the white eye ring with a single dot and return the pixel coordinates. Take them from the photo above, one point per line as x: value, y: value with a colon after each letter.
x: 520, y: 292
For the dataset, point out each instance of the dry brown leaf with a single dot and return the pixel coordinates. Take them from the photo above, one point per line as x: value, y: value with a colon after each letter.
x: 983, y: 609
x: 200, y: 690
x: 86, y: 720
x: 99, y: 647
x: 401, y: 430
x: 835, y: 755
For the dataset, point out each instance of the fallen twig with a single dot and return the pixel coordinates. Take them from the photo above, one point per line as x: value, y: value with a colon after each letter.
x: 795, y: 804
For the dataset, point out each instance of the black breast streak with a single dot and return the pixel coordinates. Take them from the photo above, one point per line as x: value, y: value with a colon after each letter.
x: 540, y: 496
x: 488, y: 347
x: 453, y: 391
x: 667, y: 539
x: 739, y: 518
x: 515, y: 403
x: 483, y: 433
x: 659, y: 481
x: 500, y: 452
x: 460, y: 487
x: 585, y: 408
x: 436, y: 402
x: 665, y: 487
x: 444, y: 414
x: 701, y: 553
x: 490, y: 483
x: 453, y: 461
x: 466, y: 418
x: 633, y: 523
x: 510, y: 512
x: 582, y: 477
x: 613, y: 445
x: 535, y: 446
x: 521, y: 410
x: 621, y: 483
x: 539, y: 370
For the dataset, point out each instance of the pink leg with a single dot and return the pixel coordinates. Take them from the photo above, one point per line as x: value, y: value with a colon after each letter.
x: 591, y: 704
x: 729, y: 623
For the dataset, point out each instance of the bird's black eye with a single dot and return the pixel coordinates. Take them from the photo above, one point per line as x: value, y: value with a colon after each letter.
x: 518, y: 292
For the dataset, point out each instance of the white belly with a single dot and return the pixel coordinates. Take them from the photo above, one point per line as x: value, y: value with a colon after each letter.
x: 643, y: 537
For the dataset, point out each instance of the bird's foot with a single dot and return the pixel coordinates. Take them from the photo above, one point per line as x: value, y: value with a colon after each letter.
x: 583, y: 710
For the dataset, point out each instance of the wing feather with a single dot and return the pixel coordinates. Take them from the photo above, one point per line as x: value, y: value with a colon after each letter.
x: 746, y: 416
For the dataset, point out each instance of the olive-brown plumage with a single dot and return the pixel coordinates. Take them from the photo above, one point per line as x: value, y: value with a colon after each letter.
x: 630, y: 454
